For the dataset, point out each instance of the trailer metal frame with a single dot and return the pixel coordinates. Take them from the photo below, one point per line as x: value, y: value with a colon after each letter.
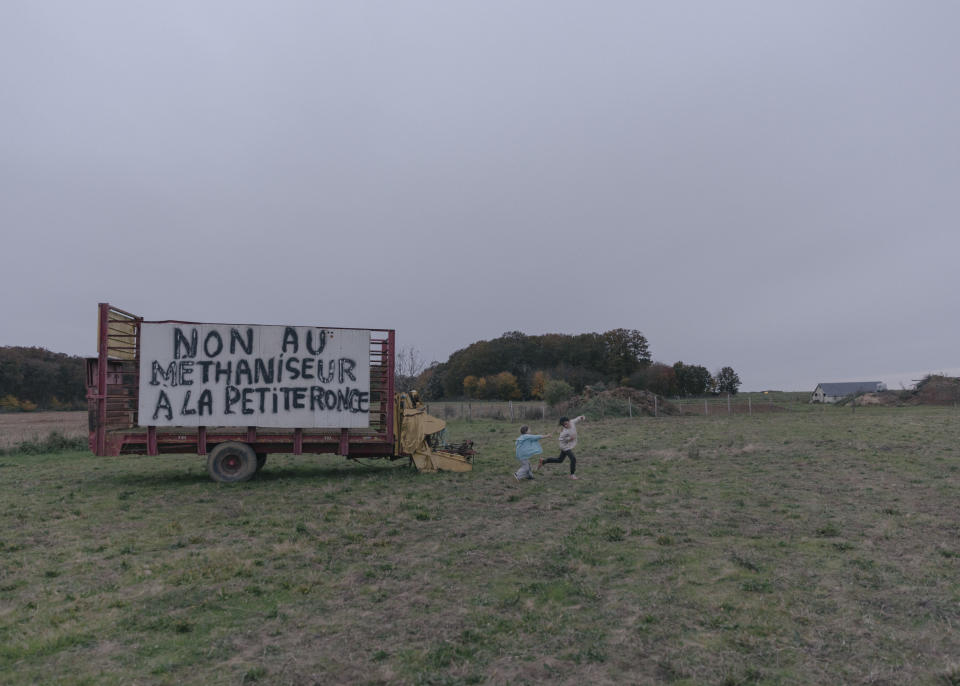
x: 113, y: 383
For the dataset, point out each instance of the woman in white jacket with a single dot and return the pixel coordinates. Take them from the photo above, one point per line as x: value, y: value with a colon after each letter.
x: 568, y: 441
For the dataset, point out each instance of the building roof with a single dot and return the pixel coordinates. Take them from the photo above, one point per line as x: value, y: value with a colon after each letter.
x: 848, y: 387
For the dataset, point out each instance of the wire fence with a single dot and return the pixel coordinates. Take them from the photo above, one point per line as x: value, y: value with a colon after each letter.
x: 731, y: 404
x: 510, y: 410
x: 624, y: 407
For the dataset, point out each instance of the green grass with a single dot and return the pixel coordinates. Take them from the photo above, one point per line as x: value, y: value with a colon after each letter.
x: 793, y: 548
x: 54, y: 442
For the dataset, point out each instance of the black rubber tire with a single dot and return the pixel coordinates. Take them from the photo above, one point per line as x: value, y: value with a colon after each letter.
x: 261, y: 460
x: 231, y: 462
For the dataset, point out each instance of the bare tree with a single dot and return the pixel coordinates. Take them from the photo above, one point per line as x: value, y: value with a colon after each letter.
x: 408, y: 364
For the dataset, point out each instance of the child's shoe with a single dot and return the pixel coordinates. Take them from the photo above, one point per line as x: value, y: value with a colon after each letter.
x: 574, y: 476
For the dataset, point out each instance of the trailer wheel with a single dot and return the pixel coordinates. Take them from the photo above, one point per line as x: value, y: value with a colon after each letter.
x: 231, y: 462
x: 261, y: 460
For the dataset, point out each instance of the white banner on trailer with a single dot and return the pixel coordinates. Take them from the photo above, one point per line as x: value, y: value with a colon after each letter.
x: 246, y: 375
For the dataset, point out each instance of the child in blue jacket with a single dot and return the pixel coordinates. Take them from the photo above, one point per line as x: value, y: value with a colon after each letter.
x: 528, y: 445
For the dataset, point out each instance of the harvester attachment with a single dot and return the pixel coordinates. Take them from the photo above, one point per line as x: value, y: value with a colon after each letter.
x: 419, y: 438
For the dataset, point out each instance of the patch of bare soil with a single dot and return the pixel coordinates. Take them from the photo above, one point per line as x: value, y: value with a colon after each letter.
x: 17, y: 427
x: 885, y: 398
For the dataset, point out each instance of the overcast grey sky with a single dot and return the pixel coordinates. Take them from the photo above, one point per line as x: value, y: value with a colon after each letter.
x: 767, y: 185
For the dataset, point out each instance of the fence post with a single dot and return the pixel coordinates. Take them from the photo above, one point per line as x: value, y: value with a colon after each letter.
x: 655, y: 408
x: 749, y: 407
x: 629, y: 408
x: 511, y: 410
x: 705, y: 410
x: 470, y: 409
x: 543, y: 411
x: 728, y: 403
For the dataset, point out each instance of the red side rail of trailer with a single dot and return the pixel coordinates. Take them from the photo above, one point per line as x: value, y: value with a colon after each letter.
x: 113, y: 382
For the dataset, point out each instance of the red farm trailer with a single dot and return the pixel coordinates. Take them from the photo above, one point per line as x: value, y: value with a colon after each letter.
x: 235, y: 393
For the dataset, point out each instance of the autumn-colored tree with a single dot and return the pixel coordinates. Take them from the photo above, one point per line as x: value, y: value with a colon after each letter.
x: 483, y: 388
x: 615, y: 357
x: 507, y: 387
x: 536, y: 386
x: 586, y: 356
x: 470, y: 386
x: 9, y: 403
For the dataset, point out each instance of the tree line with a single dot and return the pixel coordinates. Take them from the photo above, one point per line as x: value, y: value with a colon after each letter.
x: 516, y: 366
x: 35, y: 378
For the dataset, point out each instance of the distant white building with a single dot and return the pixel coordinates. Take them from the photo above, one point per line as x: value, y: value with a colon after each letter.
x: 834, y: 392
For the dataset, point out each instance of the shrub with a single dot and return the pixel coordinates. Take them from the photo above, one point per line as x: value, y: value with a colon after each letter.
x: 9, y: 403
x: 538, y: 384
x: 604, y: 406
x: 506, y: 386
x: 55, y: 442
x: 555, y: 392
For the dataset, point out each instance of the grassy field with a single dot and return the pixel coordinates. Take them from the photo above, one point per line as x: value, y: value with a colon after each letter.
x: 794, y: 548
